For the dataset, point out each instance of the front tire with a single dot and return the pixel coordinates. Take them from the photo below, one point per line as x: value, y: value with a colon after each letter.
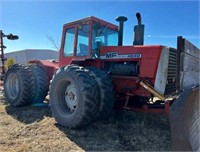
x: 74, y: 97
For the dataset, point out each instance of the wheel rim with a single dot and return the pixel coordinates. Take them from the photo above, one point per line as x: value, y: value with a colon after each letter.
x: 71, y: 97
x: 12, y: 85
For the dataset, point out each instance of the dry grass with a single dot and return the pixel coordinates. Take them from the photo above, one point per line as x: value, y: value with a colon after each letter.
x: 33, y: 129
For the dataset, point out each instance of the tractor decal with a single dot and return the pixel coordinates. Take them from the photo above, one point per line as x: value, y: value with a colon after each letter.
x: 115, y: 55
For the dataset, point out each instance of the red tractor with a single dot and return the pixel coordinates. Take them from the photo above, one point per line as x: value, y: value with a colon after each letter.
x: 95, y: 73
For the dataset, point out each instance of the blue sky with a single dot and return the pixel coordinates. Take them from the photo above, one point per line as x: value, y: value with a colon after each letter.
x: 33, y: 20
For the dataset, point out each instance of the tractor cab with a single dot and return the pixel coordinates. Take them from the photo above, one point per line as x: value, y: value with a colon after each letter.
x: 83, y: 38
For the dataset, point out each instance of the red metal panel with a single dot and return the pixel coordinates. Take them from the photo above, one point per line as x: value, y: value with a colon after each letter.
x: 148, y: 61
x: 92, y: 18
x: 147, y: 109
x: 149, y: 51
x: 50, y: 67
x: 130, y: 84
x: 148, y: 67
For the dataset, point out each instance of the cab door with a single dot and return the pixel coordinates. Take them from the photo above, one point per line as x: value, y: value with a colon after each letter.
x: 75, y: 44
x: 68, y: 45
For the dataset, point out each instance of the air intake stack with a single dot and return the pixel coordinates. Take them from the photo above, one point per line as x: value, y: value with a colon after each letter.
x: 138, y: 31
x: 121, y: 20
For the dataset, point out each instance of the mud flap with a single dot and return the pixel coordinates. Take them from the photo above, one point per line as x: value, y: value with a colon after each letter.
x: 185, y: 121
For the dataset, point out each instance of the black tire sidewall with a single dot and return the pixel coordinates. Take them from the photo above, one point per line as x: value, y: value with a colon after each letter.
x: 106, y: 91
x: 8, y: 98
x: 40, y: 83
x: 61, y: 117
x: 24, y: 95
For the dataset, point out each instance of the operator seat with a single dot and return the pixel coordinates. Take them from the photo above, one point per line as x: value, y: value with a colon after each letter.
x: 83, y: 49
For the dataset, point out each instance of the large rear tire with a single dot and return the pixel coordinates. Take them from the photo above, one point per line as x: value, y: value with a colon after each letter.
x: 18, y: 85
x: 74, y: 97
x: 106, y: 91
x: 40, y: 84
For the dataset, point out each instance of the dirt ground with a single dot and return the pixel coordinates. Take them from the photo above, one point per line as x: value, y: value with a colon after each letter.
x: 34, y: 129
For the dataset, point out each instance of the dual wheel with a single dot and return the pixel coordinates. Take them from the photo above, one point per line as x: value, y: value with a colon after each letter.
x: 80, y: 95
x: 24, y: 85
x: 77, y: 95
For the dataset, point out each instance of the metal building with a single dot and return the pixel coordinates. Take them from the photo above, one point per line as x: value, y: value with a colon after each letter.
x: 23, y: 56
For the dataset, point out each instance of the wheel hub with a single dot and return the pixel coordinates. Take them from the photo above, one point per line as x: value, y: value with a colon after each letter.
x: 71, y: 97
x: 13, y: 85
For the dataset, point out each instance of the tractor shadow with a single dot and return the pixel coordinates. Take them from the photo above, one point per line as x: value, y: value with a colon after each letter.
x: 123, y: 131
x: 28, y: 114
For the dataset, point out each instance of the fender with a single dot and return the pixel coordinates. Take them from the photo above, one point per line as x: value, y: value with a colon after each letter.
x: 51, y: 66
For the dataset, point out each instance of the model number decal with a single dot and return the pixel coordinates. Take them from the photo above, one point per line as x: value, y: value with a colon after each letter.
x: 115, y: 55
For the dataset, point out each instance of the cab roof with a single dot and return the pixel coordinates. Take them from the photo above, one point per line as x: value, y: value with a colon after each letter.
x: 88, y: 19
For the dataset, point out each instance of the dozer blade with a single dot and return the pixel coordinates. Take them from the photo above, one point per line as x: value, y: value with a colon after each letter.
x: 185, y: 121
x: 189, y: 64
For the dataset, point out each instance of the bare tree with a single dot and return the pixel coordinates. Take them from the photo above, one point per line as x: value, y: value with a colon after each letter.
x: 52, y: 40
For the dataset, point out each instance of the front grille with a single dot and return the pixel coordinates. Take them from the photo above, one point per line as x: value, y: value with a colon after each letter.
x: 171, y: 74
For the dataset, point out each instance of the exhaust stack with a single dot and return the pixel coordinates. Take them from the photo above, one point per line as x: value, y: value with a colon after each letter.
x: 138, y: 31
x: 121, y: 20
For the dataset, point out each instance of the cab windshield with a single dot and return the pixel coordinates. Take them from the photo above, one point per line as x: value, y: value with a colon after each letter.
x: 103, y: 36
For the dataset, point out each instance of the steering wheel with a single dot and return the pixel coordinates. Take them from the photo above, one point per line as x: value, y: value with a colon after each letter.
x: 98, y: 39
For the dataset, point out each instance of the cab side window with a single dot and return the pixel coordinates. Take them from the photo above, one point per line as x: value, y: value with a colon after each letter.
x: 83, y: 41
x: 69, y: 42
